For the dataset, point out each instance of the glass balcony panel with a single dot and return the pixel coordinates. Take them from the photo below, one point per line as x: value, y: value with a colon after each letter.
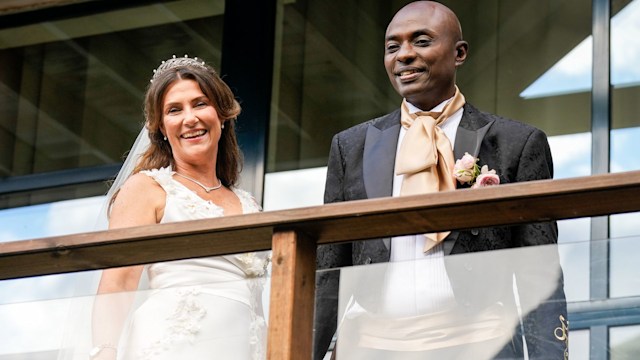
x: 574, y: 235
x: 624, y: 276
x: 371, y: 298
x: 225, y: 317
x: 459, y: 306
x: 579, y: 344
x: 624, y: 342
x: 468, y: 306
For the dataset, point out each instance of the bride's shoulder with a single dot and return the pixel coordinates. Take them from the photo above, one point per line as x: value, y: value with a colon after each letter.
x: 140, y: 185
x: 139, y: 201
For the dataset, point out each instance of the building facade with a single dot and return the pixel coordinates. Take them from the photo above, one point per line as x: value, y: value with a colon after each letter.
x: 73, y: 74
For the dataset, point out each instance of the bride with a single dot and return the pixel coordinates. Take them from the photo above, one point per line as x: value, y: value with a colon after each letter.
x: 188, y: 168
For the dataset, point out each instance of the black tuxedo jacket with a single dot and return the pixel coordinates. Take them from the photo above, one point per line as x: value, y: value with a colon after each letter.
x: 361, y: 166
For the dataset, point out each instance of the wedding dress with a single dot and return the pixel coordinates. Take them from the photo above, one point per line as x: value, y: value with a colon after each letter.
x: 202, y: 308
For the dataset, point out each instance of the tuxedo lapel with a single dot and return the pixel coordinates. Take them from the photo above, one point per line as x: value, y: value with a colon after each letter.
x: 379, y: 155
x: 381, y: 143
x: 379, y: 158
x: 472, y: 129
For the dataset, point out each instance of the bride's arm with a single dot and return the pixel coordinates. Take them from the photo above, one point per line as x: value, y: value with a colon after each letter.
x: 139, y: 202
x: 116, y: 293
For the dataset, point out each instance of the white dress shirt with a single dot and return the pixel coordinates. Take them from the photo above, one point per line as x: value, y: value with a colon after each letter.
x: 417, y: 283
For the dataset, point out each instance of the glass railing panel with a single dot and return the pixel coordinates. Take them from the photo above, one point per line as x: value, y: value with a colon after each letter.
x: 49, y: 287
x: 624, y: 270
x: 39, y: 315
x: 579, y: 344
x: 47, y: 220
x: 190, y: 310
x: 32, y: 329
x: 623, y: 225
x: 453, y: 307
x: 471, y: 306
x: 574, y: 250
x: 625, y: 342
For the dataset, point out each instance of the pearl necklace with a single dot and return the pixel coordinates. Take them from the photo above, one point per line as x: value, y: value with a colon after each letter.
x: 206, y: 188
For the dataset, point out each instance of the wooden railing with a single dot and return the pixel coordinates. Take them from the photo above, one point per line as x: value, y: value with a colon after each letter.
x: 294, y: 234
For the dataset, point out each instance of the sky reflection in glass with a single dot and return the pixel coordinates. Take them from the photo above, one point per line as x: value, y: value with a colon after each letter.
x: 572, y: 74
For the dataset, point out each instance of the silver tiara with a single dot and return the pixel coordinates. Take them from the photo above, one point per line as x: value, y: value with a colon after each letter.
x: 177, y: 62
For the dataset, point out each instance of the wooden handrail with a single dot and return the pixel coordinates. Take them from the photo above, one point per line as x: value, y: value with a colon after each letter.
x: 506, y: 204
x: 293, y: 234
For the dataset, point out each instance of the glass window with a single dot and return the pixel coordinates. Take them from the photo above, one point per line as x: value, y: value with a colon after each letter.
x: 329, y: 76
x: 625, y: 81
x: 74, y: 96
x: 329, y: 73
x: 625, y: 70
x: 73, y: 99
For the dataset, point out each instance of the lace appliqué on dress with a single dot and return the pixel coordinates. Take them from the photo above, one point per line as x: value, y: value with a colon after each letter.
x: 255, y: 266
x: 193, y: 204
x: 185, y: 324
x: 188, y: 314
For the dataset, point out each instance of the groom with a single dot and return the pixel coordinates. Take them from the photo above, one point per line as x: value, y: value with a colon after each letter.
x: 410, y: 152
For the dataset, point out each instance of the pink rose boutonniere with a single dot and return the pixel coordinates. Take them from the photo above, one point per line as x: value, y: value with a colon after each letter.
x: 486, y: 178
x: 467, y: 171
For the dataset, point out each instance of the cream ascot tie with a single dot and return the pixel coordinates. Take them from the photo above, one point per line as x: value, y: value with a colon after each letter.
x: 426, y: 156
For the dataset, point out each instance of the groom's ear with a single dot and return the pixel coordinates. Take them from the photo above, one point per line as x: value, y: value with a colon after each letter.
x: 462, y: 47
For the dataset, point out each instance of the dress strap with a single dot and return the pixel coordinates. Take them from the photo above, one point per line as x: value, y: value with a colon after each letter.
x: 249, y: 203
x: 164, y: 177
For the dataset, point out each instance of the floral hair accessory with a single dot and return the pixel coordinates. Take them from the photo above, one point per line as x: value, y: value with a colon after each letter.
x: 467, y: 171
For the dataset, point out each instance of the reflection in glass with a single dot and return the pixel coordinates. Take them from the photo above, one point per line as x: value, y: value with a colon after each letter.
x: 571, y: 155
x: 62, y: 328
x: 572, y: 73
x: 328, y: 73
x: 574, y: 258
x: 73, y: 98
x: 624, y: 342
x: 384, y: 315
x: 579, y: 344
x: 625, y: 148
x: 624, y: 276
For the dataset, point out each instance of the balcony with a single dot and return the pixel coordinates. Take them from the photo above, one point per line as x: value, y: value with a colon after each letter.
x: 293, y: 236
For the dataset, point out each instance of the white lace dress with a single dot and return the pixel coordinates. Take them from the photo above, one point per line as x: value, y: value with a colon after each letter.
x: 204, y: 308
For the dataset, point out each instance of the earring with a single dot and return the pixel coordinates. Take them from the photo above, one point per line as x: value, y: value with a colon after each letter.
x: 165, y: 138
x: 222, y: 127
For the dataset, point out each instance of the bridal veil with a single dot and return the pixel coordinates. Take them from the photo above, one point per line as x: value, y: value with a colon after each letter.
x: 76, y: 340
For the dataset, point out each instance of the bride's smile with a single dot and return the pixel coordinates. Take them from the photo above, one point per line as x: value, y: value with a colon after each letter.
x: 197, y: 307
x: 190, y: 122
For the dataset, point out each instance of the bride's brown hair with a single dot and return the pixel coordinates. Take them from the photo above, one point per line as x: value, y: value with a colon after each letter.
x: 159, y: 154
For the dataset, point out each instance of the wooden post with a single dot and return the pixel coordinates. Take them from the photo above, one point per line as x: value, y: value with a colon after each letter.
x: 292, y: 297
